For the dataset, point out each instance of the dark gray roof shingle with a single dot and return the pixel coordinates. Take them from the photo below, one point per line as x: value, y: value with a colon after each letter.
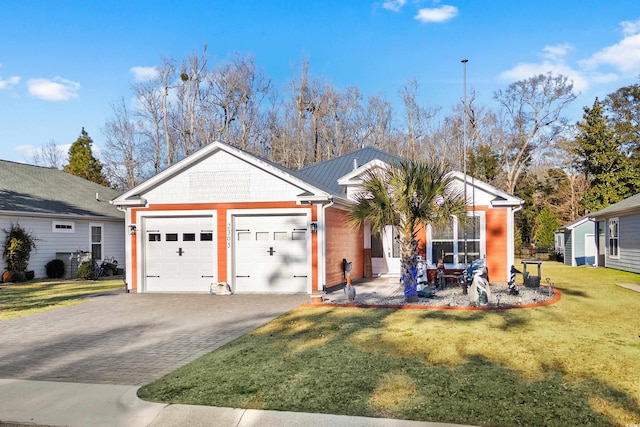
x: 629, y: 204
x: 35, y: 189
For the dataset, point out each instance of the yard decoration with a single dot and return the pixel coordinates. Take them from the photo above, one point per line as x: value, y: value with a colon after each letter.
x: 16, y: 251
x: 529, y: 279
x: 513, y: 288
x: 349, y: 289
x: 479, y: 291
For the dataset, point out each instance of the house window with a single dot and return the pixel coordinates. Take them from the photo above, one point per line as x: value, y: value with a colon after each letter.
x: 63, y: 227
x: 472, y: 224
x: 96, y: 241
x: 442, y: 239
x: 447, y: 242
x: 613, y: 238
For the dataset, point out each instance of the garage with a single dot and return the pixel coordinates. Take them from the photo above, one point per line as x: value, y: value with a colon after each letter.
x: 271, y: 254
x: 180, y: 254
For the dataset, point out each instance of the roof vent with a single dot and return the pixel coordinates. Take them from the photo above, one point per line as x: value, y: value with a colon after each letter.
x: 355, y: 164
x: 97, y: 197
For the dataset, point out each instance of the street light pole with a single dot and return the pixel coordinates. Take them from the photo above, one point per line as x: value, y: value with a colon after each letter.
x: 464, y: 149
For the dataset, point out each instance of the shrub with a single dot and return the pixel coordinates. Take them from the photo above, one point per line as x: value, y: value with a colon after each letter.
x: 55, y: 269
x: 85, y: 271
x: 13, y: 276
x: 17, y: 247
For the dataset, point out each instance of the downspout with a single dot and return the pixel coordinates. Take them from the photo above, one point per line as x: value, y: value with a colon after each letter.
x: 512, y: 242
x: 323, y: 244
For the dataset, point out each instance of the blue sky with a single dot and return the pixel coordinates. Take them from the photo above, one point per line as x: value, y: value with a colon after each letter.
x: 62, y: 63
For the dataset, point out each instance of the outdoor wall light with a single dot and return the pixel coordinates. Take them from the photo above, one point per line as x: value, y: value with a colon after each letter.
x: 314, y: 227
x: 133, y: 229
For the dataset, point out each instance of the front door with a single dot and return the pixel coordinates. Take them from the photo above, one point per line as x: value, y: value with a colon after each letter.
x: 385, y: 252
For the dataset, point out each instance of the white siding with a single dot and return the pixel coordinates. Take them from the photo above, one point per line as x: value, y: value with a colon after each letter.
x: 48, y: 242
x: 222, y: 178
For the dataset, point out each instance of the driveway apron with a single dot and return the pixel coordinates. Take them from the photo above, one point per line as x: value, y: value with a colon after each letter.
x: 129, y: 339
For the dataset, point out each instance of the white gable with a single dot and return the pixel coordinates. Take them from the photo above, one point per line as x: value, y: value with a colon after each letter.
x: 222, y: 177
x: 478, y: 192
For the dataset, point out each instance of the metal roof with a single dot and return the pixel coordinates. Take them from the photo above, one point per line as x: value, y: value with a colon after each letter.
x: 39, y: 190
x: 328, y: 172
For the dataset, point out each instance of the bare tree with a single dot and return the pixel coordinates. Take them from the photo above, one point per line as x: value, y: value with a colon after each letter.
x: 375, y: 123
x: 165, y: 81
x: 532, y: 109
x: 49, y: 155
x: 416, y: 120
x: 193, y: 73
x: 149, y: 109
x: 125, y: 158
x: 237, y: 91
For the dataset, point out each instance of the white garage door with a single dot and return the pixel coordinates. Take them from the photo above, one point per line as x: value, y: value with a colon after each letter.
x: 270, y: 254
x: 180, y: 254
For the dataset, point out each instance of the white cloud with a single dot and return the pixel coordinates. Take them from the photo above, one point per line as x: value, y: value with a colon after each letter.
x: 439, y: 14
x: 30, y: 152
x: 584, y: 75
x: 556, y: 52
x: 630, y: 28
x: 623, y: 56
x: 143, y: 74
x: 56, y: 89
x: 526, y: 70
x: 26, y: 150
x: 394, y: 5
x: 9, y: 82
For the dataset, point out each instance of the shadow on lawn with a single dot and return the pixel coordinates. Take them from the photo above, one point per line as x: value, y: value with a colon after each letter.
x: 512, y: 319
x: 315, y: 362
x: 28, y: 300
x: 574, y: 293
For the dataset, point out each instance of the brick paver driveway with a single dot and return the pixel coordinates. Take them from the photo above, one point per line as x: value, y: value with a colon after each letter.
x: 129, y: 339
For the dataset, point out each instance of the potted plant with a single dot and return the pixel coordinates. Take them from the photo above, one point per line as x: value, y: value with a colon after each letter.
x: 16, y: 251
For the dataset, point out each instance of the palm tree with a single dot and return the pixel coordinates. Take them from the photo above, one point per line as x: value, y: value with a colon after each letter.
x: 407, y: 195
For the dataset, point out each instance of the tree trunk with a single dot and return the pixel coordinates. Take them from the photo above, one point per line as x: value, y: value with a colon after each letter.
x: 409, y: 270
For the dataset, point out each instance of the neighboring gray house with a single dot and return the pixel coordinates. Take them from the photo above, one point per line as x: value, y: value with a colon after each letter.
x: 618, y: 239
x: 65, y: 213
x: 579, y: 242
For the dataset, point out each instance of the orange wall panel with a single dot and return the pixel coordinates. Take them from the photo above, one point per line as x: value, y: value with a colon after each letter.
x: 497, y: 245
x: 342, y: 241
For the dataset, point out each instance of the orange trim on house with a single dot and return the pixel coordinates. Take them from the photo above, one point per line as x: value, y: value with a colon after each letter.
x: 134, y: 252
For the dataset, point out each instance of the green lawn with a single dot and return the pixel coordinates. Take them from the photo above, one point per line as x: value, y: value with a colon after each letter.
x: 576, y: 362
x: 33, y: 297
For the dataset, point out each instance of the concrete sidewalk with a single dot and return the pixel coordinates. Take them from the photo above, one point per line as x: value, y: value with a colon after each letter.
x: 46, y: 403
x: 630, y: 286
